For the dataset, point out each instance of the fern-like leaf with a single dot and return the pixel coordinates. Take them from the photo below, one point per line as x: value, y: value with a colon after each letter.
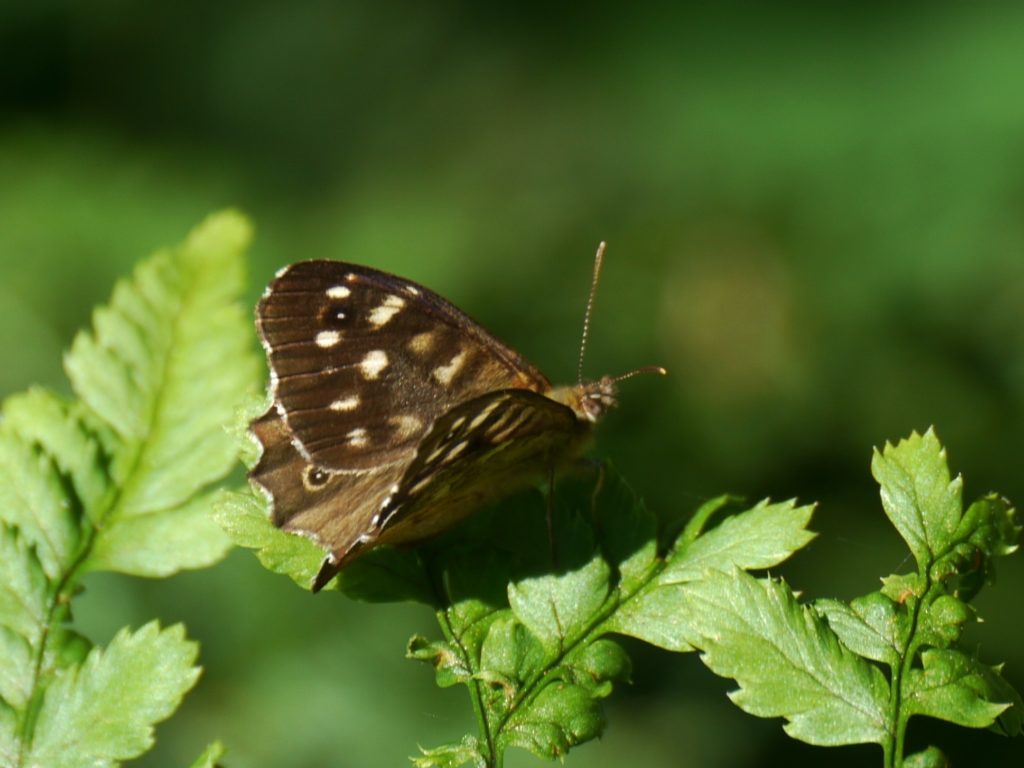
x: 119, y: 479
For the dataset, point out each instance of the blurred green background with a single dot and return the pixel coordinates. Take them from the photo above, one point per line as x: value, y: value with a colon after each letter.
x: 814, y: 218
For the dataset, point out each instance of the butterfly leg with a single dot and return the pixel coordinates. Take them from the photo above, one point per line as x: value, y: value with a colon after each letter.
x: 549, y: 517
x: 595, y: 495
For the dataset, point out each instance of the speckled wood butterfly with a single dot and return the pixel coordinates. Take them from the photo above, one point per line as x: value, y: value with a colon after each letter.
x: 395, y: 414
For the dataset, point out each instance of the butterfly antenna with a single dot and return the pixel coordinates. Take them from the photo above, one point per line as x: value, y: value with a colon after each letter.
x: 598, y: 259
x: 637, y: 371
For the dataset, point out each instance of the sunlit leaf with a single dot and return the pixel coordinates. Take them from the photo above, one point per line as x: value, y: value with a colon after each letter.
x: 918, y: 496
x: 103, y: 711
x: 787, y: 661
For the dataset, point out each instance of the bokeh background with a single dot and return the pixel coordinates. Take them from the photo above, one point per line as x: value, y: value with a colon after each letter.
x: 814, y: 217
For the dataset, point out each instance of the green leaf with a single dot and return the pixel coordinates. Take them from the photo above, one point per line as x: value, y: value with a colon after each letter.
x: 659, y: 615
x: 33, y: 500
x: 918, y: 496
x: 561, y: 716
x: 244, y: 517
x: 41, y: 417
x: 872, y: 626
x: 210, y: 756
x: 558, y: 607
x: 955, y: 687
x: 596, y: 665
x: 989, y: 529
x: 118, y: 480
x: 23, y: 588
x: 761, y: 537
x: 510, y: 655
x: 166, y: 365
x: 931, y: 757
x: 103, y: 712
x: 9, y: 744
x: 163, y: 543
x: 787, y: 661
x: 941, y: 621
x: 16, y: 676
x: 660, y: 612
x: 450, y: 667
x: 990, y: 523
x: 900, y: 588
x: 525, y: 635
x: 452, y: 755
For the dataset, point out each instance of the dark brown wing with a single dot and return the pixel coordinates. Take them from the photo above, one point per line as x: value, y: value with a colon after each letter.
x: 363, y: 362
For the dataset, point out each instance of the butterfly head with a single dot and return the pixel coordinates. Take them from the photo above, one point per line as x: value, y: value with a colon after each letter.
x: 591, y: 400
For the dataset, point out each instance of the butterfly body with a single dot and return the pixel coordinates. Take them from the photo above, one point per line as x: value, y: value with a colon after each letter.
x: 394, y: 414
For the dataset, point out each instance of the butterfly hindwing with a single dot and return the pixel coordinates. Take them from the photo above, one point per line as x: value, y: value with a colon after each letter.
x: 364, y: 362
x: 475, y: 453
x: 335, y: 509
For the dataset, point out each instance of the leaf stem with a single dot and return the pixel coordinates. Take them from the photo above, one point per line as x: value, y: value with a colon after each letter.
x: 493, y: 755
x: 893, y: 748
x: 54, y: 616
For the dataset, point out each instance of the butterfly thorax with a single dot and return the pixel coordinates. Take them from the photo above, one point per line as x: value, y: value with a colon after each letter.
x: 589, y: 400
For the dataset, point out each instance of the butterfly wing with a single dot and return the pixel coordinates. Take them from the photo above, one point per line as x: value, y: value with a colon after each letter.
x: 334, y: 509
x: 475, y: 453
x: 363, y: 362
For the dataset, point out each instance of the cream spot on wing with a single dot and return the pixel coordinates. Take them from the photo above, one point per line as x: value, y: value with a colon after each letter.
x: 327, y: 339
x: 435, y: 455
x: 445, y: 373
x: 374, y: 362
x: 457, y: 450
x: 509, y: 424
x: 345, y: 404
x: 338, y: 292
x: 481, y: 417
x: 455, y: 426
x: 357, y: 437
x: 422, y: 343
x: 351, y: 277
x: 385, y: 504
x: 412, y: 290
x: 281, y: 271
x: 420, y: 485
x: 379, y: 316
x: 405, y: 426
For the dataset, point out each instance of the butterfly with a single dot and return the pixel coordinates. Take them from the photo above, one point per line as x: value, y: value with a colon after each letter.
x: 394, y: 414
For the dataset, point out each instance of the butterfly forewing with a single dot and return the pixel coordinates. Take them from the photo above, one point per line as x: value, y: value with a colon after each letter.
x: 364, y: 362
